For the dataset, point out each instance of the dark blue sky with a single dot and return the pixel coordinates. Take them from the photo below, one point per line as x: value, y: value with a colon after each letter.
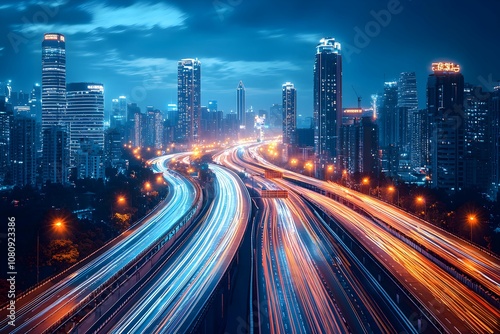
x: 133, y: 46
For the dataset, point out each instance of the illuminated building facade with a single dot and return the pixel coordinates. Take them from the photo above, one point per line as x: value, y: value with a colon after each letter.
x: 327, y: 103
x: 241, y: 104
x: 53, y: 80
x: 445, y: 97
x: 188, y: 100
x: 23, y: 151
x: 289, y: 98
x: 85, y: 113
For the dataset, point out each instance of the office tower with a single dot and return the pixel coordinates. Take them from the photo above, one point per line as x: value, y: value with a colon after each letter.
x: 360, y: 145
x: 149, y: 127
x: 132, y: 109
x: 112, y: 147
x: 35, y: 102
x: 118, y: 112
x: 407, y: 105
x: 53, y: 80
x: 289, y: 98
x: 241, y: 105
x: 6, y: 117
x: 23, y: 151
x: 139, y: 126
x: 153, y: 128
x: 275, y: 119
x: 419, y: 138
x: 188, y: 100
x: 212, y: 105
x: 89, y: 161
x: 479, y: 134
x: 85, y: 113
x: 231, y: 125
x: 327, y: 102
x: 445, y: 97
x: 495, y: 112
x: 55, y: 154
x: 388, y: 119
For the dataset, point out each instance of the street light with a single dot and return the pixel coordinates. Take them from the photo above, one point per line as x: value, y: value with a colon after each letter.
x: 366, y: 181
x: 421, y: 200
x: 330, y: 171
x: 472, y: 220
x: 58, y: 224
x: 391, y: 190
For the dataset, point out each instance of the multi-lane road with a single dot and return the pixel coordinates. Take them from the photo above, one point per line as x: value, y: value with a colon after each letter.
x: 173, y: 298
x: 303, y: 284
x: 38, y: 312
x: 454, y: 305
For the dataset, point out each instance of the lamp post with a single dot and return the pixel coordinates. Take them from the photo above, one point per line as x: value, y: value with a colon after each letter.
x: 329, y: 171
x: 391, y: 189
x: 59, y: 225
x: 472, y: 220
x: 366, y: 181
x: 421, y: 200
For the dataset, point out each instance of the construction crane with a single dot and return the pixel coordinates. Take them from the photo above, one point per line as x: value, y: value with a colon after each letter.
x: 359, y: 97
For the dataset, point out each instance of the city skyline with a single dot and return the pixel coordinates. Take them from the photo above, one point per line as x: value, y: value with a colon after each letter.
x: 145, y: 71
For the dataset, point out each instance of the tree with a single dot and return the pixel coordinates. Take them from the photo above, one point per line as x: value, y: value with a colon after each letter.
x: 62, y: 252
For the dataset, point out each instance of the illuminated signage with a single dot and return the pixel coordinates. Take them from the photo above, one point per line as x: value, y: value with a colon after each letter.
x: 95, y: 87
x: 54, y: 37
x: 353, y: 111
x: 445, y: 67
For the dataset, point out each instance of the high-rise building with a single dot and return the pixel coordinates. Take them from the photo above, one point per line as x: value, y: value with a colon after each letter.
x: 23, y: 151
x: 495, y: 112
x: 6, y: 117
x: 445, y: 97
x: 36, y: 102
x: 327, y: 103
x: 118, y: 112
x: 241, y: 104
x: 289, y: 98
x: 359, y: 135
x: 53, y: 80
x: 479, y: 134
x: 420, y: 138
x: 388, y: 119
x: 275, y: 118
x: 407, y: 105
x: 112, y: 147
x: 85, y: 114
x: 55, y: 154
x: 188, y: 100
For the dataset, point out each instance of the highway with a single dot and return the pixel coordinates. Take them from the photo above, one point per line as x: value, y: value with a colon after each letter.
x: 303, y: 284
x: 171, y: 302
x: 457, y: 308
x: 40, y: 311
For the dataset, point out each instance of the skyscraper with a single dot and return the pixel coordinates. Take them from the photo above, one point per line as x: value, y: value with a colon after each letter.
x: 53, y: 80
x: 240, y: 104
x: 388, y: 119
x: 479, y: 134
x: 55, y: 154
x: 188, y: 100
x: 289, y: 98
x: 119, y: 112
x: 445, y: 96
x: 23, y: 151
x: 407, y: 105
x: 327, y: 102
x: 6, y: 117
x: 85, y: 113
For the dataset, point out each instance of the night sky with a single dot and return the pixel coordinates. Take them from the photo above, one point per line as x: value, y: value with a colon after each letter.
x: 132, y: 47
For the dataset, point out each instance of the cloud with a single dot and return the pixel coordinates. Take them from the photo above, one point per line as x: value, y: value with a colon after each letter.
x: 240, y: 68
x: 104, y: 17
